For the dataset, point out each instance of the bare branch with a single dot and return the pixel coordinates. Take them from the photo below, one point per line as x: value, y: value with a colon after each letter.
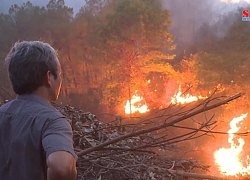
x: 204, y: 108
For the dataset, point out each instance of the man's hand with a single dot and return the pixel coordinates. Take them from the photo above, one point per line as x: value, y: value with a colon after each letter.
x: 61, y: 166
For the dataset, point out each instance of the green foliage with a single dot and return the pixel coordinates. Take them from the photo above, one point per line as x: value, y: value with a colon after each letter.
x: 136, y: 39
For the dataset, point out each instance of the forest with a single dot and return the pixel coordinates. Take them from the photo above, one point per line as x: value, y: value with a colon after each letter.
x: 113, y: 51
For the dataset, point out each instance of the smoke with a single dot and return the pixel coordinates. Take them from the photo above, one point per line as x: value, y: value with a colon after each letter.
x: 190, y: 16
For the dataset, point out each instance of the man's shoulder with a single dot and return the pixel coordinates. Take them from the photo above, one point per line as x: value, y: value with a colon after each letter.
x: 31, y: 108
x: 41, y: 110
x: 5, y: 106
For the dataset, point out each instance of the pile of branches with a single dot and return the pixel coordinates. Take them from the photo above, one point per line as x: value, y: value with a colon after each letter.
x: 139, y: 148
x: 128, y: 158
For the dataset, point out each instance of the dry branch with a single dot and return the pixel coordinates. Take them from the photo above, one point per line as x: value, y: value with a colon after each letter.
x: 120, y: 151
x: 155, y: 128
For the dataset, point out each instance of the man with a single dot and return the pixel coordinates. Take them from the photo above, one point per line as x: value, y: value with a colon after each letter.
x: 35, y: 139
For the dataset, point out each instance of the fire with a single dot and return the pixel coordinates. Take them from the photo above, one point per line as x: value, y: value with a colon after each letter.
x: 138, y: 104
x: 180, y: 98
x: 228, y: 159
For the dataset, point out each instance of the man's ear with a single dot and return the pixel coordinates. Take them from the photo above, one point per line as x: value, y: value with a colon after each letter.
x: 48, y: 79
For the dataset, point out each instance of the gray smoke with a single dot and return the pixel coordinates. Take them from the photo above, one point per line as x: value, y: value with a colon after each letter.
x: 193, y: 19
x: 189, y: 15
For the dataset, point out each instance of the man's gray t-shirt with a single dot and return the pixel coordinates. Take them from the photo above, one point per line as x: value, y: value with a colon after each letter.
x: 30, y: 130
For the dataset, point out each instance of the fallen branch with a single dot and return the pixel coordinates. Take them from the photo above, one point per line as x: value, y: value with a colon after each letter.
x: 155, y: 128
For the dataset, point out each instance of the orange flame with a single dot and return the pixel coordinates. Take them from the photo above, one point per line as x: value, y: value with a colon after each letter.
x: 228, y: 159
x: 138, y: 104
x: 180, y: 98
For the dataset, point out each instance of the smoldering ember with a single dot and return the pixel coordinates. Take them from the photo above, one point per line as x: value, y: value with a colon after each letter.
x: 152, y: 146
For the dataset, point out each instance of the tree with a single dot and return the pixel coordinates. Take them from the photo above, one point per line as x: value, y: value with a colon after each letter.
x: 226, y: 62
x: 8, y: 35
x: 136, y: 41
x: 29, y: 21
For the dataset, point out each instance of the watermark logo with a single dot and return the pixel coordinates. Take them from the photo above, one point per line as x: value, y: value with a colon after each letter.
x: 245, y: 15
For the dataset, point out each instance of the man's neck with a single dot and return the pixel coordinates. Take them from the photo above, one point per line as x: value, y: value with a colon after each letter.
x: 42, y: 92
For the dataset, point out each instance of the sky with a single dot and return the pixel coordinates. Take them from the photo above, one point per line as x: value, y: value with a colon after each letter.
x: 5, y: 4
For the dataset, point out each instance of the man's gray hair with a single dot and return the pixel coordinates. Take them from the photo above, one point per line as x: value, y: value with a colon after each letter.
x: 28, y: 63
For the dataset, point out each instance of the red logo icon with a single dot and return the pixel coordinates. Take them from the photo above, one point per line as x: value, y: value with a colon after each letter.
x: 245, y: 13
